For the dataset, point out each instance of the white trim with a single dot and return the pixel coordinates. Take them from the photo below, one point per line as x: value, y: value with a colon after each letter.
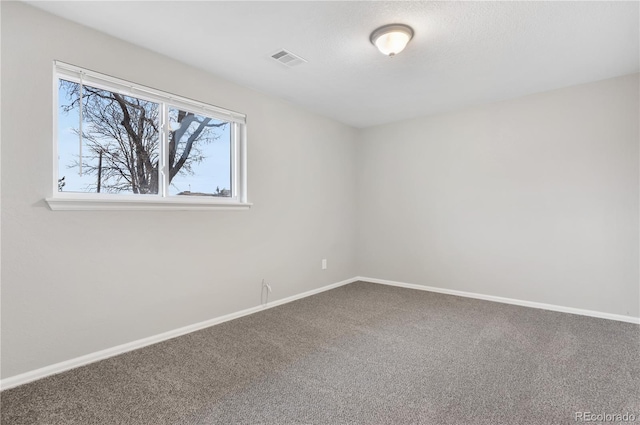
x: 107, y: 82
x: 56, y: 94
x: 532, y: 304
x: 243, y: 162
x: 163, y: 166
x: 53, y: 369
x: 33, y: 375
x: 233, y: 178
x: 144, y: 203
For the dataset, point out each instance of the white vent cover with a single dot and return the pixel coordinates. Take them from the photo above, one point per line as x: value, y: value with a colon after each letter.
x: 287, y: 58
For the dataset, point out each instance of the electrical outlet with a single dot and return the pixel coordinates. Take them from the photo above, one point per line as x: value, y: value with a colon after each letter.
x: 324, y: 264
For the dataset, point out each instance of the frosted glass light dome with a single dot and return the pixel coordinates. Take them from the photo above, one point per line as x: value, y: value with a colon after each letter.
x: 392, y: 39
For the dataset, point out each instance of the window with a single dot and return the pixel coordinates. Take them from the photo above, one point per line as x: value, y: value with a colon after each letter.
x: 124, y: 146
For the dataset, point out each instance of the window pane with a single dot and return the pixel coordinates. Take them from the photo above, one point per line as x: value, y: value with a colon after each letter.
x: 199, y: 155
x: 120, y: 142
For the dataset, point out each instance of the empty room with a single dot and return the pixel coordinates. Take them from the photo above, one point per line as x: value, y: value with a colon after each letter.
x: 331, y: 212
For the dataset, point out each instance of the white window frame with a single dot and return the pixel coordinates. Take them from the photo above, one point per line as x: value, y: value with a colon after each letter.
x: 162, y: 201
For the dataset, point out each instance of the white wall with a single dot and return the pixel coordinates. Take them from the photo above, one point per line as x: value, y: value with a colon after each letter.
x: 77, y: 282
x: 534, y: 199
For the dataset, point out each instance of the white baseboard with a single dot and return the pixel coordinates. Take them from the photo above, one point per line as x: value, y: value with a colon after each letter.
x: 552, y: 307
x: 53, y: 369
x: 33, y: 375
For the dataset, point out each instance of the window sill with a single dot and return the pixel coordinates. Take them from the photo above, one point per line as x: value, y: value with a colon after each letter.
x: 137, y: 203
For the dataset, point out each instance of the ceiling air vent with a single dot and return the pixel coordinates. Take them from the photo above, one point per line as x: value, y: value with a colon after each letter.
x: 287, y: 58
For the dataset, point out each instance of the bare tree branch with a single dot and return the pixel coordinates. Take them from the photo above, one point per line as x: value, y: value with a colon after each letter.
x: 124, y: 131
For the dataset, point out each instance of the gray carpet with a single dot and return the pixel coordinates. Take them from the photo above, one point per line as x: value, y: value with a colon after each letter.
x: 359, y: 354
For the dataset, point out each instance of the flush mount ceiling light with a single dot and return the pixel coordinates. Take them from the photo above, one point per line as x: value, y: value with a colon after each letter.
x: 392, y: 39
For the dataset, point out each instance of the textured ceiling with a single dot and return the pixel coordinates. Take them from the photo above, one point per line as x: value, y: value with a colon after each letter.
x: 462, y: 54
